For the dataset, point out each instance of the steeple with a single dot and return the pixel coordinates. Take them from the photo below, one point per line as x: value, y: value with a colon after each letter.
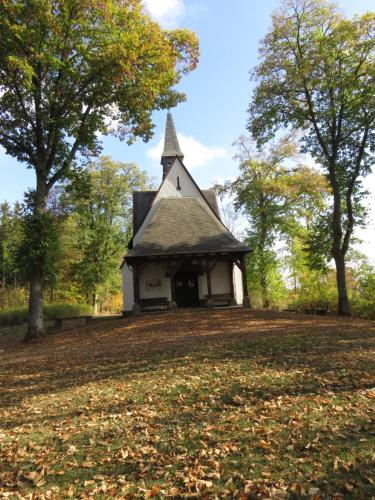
x: 171, y: 146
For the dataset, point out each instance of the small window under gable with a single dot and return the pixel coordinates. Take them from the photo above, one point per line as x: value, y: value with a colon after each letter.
x: 178, y: 184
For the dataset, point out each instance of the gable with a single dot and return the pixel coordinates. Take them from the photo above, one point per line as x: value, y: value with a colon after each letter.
x: 177, y: 184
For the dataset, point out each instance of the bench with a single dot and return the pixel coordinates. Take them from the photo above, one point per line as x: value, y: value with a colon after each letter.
x: 59, y: 321
x: 154, y: 302
x: 317, y: 308
x: 219, y: 298
x: 292, y: 308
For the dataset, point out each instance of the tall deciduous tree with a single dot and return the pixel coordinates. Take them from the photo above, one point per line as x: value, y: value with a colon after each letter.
x: 317, y: 75
x: 11, y: 224
x: 273, y: 191
x: 69, y: 69
x: 101, y: 202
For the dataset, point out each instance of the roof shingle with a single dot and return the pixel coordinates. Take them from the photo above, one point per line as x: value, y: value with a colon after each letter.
x: 171, y: 145
x: 185, y: 225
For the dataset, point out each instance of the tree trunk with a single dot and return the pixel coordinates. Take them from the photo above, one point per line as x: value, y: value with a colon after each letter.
x: 95, y: 303
x: 337, y: 250
x: 343, y: 301
x: 262, y: 252
x: 264, y: 288
x: 35, y: 329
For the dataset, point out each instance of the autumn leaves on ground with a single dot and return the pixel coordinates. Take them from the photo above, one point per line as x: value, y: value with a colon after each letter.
x: 235, y: 404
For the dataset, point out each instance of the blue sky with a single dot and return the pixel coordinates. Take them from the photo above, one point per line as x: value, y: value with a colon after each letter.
x: 218, y: 93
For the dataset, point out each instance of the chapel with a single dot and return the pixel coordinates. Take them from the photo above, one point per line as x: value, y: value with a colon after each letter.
x: 181, y: 254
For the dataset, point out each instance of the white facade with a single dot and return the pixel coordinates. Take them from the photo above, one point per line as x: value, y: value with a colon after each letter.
x: 238, y: 288
x: 220, y: 284
x: 127, y: 287
x: 169, y: 189
x: 155, y: 281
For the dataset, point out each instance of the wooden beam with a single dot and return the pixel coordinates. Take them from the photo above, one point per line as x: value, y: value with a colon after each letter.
x: 208, y: 274
x: 246, y: 299
x: 136, y: 274
x: 231, y: 284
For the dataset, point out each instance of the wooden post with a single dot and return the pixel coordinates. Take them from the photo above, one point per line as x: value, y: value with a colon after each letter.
x: 136, y: 283
x: 230, y: 272
x: 208, y: 274
x: 246, y: 300
x: 171, y: 270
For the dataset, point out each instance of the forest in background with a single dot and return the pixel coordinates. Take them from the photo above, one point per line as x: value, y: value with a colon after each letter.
x: 278, y: 199
x: 314, y: 81
x: 92, y: 220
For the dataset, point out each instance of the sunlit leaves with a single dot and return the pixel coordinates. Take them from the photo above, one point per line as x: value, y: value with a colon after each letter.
x: 239, y: 405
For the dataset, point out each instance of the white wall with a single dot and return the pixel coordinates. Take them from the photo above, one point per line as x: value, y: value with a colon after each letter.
x: 219, y: 283
x: 202, y: 286
x: 151, y: 272
x: 237, y: 280
x: 220, y: 278
x: 169, y: 189
x: 127, y: 288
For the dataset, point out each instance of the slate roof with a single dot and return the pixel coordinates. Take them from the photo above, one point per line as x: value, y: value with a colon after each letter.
x: 185, y: 225
x: 171, y: 145
x: 142, y: 201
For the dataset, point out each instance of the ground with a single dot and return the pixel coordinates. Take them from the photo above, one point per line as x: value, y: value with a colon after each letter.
x: 207, y: 404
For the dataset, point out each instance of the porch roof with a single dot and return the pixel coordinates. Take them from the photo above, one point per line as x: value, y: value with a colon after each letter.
x: 185, y: 225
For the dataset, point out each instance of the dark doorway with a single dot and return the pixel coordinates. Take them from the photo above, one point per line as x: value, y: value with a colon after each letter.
x: 186, y: 287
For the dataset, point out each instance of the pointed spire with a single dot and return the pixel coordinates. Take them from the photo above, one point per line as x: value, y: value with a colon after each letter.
x: 171, y: 145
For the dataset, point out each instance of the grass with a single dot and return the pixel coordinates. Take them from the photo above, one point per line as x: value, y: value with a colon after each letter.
x: 19, y: 315
x: 228, y: 404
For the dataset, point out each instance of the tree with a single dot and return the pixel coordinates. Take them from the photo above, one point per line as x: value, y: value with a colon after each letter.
x: 273, y: 192
x: 101, y: 204
x: 317, y: 75
x: 69, y: 69
x: 11, y: 224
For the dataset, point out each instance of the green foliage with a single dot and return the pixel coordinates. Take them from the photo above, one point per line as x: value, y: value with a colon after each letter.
x: 260, y: 266
x: 13, y: 316
x: 10, y: 237
x: 316, y: 76
x: 101, y: 204
x: 39, y: 250
x: 13, y: 296
x: 19, y: 315
x: 274, y: 192
x: 69, y: 70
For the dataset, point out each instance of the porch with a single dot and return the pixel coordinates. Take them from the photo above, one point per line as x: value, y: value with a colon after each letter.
x: 185, y: 281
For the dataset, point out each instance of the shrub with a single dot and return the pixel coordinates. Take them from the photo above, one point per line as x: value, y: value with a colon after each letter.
x: 364, y: 308
x: 13, y: 316
x: 19, y: 315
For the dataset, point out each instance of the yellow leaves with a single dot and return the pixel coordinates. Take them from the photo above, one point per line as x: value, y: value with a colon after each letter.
x: 172, y: 492
x: 265, y: 445
x: 155, y: 490
x: 36, y: 477
x: 87, y: 465
x: 142, y: 437
x: 202, y: 485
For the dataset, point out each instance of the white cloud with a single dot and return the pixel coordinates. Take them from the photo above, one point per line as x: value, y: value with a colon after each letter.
x: 222, y: 180
x: 166, y: 12
x: 196, y: 153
